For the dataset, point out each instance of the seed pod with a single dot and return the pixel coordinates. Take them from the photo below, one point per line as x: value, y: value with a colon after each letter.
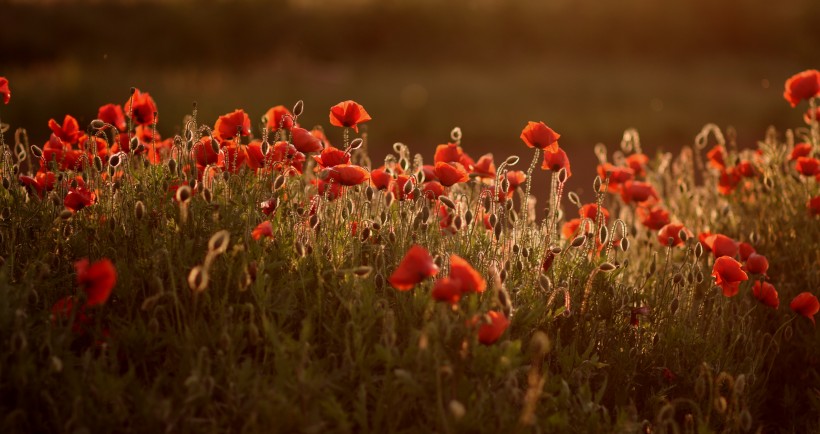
x: 298, y: 107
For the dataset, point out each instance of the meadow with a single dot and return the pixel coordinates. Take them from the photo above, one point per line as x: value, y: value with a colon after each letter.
x: 256, y: 274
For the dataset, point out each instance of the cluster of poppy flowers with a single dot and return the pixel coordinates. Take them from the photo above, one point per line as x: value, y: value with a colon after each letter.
x: 96, y: 280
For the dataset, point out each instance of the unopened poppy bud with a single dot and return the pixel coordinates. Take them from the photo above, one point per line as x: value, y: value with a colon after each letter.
x: 56, y: 364
x: 447, y: 202
x: 114, y: 161
x: 574, y: 199
x: 562, y: 175
x: 683, y: 235
x: 355, y: 144
x: 97, y: 162
x: 698, y: 250
x: 278, y: 182
x: 183, y: 194
x: 457, y: 409
x: 512, y: 160
x: 624, y: 244
x: 198, y: 279
x: 97, y: 124
x: 6, y: 183
x: 172, y: 165
x: 66, y: 214
x: 207, y: 195
x: 408, y: 187
x: 603, y: 236
x: 300, y: 249
x: 139, y: 210
x: 505, y: 185
x: 606, y: 267
x: 596, y: 185
x: 133, y: 144
x: 578, y: 241
x: 313, y: 221
x: 497, y: 230
x: 298, y: 108
x: 389, y: 198
x: 218, y: 243
x: 369, y: 192
x: 215, y: 146
x: 455, y: 134
x: 458, y: 222
x: 36, y: 151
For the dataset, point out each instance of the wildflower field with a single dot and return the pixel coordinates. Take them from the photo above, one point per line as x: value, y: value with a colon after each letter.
x: 254, y: 274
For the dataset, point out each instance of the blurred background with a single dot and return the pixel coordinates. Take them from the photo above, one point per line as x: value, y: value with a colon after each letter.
x: 587, y: 68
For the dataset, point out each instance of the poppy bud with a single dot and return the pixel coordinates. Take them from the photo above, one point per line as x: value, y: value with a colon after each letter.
x: 606, y: 267
x: 578, y: 241
x: 562, y: 175
x: 624, y: 244
x: 389, y: 198
x: 298, y: 108
x: 219, y: 242
x: 139, y: 210
x: 198, y: 279
x: 505, y: 185
x: 98, y: 163
x: 455, y: 134
x: 6, y: 183
x: 603, y: 236
x: 36, y: 151
x: 457, y: 409
x: 278, y: 182
x: 97, y: 124
x: 497, y: 230
x: 133, y: 144
x: 66, y: 214
x: 369, y: 192
x: 574, y: 199
x: 172, y: 165
x: 545, y: 283
x: 512, y: 160
x: 596, y: 185
x: 183, y: 194
x: 355, y: 144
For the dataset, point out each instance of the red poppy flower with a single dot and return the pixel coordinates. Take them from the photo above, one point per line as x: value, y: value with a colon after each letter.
x: 590, y: 211
x: 61, y: 311
x: 429, y: 172
x: 93, y: 146
x: 721, y: 245
x: 745, y: 250
x: 380, y: 178
x: 728, y: 180
x: 68, y: 132
x: 807, y: 166
x: 766, y: 294
x: 516, y: 178
x: 637, y: 191
x: 808, y: 115
x: 398, y: 187
x: 304, y: 141
x: 802, y: 86
x: 286, y: 153
x: 331, y: 156
x: 555, y: 161
x: 570, y: 228
x: 227, y: 125
x: 347, y: 174
x: 42, y: 182
x: 97, y: 280
x: 638, y: 162
x: 805, y: 304
x: 416, y: 266
x: 264, y: 229
x: 319, y: 133
x: 159, y: 151
x: 800, y: 150
x: 485, y: 166
x: 232, y: 157
x: 79, y: 198
x: 278, y: 117
x: 617, y: 175
x: 4, y: 90
x: 634, y: 319
x: 717, y: 157
x: 672, y: 230
x: 653, y: 218
x: 348, y: 114
x: 814, y: 205
x: 112, y: 114
x: 447, y: 290
x: 432, y: 189
x: 728, y: 275
x: 448, y: 153
x: 746, y: 169
x: 468, y: 277
x: 539, y: 135
x: 203, y: 152
x: 451, y: 173
x: 757, y: 264
x: 493, y: 326
x: 143, y: 108
x: 331, y: 190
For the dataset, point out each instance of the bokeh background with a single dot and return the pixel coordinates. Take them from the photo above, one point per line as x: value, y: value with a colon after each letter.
x: 587, y: 68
